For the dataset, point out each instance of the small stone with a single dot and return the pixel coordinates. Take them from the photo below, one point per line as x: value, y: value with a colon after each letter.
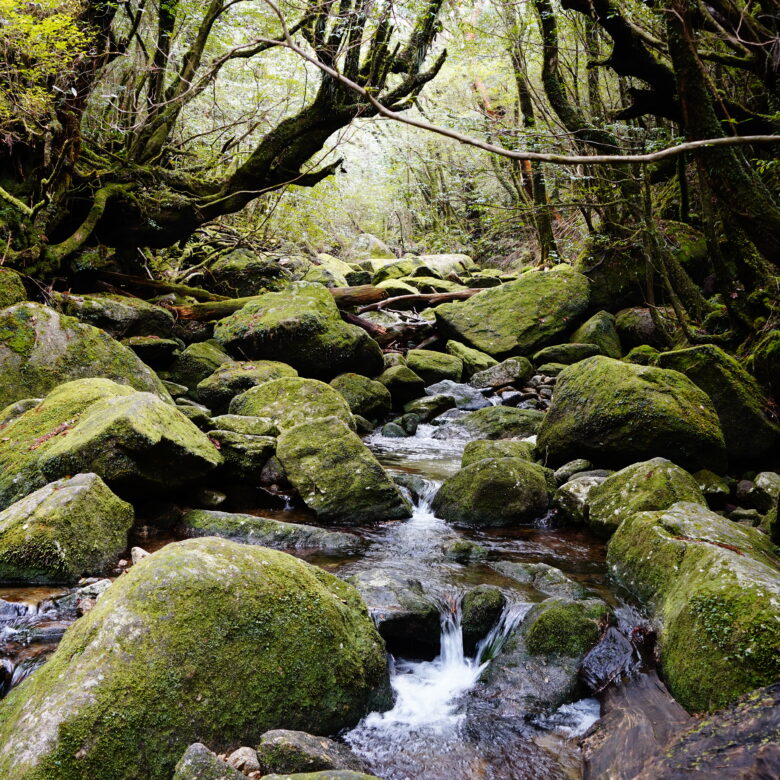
x: 137, y: 554
x: 244, y: 759
x: 568, y: 470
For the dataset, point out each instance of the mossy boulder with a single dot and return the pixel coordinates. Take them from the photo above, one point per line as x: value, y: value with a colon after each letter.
x: 403, y: 383
x: 396, y: 287
x: 765, y: 360
x: 600, y: 330
x: 399, y: 269
x: 283, y: 750
x: 572, y: 498
x: 644, y: 355
x: 546, y: 579
x: 218, y: 389
x: 153, y: 350
x: 737, y: 397
x: 301, y: 326
x: 433, y: 284
x: 134, y: 441
x: 292, y: 400
x: 565, y: 354
x: 69, y: 529
x: 243, y: 454
x: 519, y: 317
x: 473, y: 360
x: 559, y: 626
x: 197, y: 362
x: 433, y: 366
x: 498, y: 448
x: 242, y: 273
x: 495, y: 492
x: 200, y: 763
x: 267, y: 532
x: 366, y: 397
x: 430, y: 406
x: 336, y: 475
x: 204, y: 639
x: 615, y: 413
x: 713, y: 588
x: 40, y: 349
x: 11, y: 288
x: 118, y: 315
x: 511, y: 371
x: 502, y: 422
x: 636, y: 327
x: 254, y: 426
x: 480, y: 610
x: 653, y: 484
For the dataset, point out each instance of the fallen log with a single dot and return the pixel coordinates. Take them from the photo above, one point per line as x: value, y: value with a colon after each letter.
x: 406, y: 332
x: 215, y: 310
x: 161, y: 286
x: 429, y: 299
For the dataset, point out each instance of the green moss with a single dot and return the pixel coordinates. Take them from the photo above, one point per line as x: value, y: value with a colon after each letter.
x: 615, y: 413
x: 433, y: 366
x: 565, y: 354
x: 291, y: 401
x: 494, y: 492
x: 561, y: 627
x: 404, y: 385
x: 40, y: 349
x: 11, y: 288
x: 653, y: 484
x: 599, y: 330
x: 198, y: 362
x: 69, y: 529
x: 336, y: 475
x: 644, y: 355
x: 765, y: 360
x: 737, y: 398
x: 366, y: 397
x: 518, y: 317
x: 154, y: 665
x: 473, y: 360
x: 713, y: 587
x: 301, y: 326
x: 118, y: 315
x: 502, y: 422
x: 511, y: 371
x: 501, y: 448
x: 230, y: 379
x: 242, y: 273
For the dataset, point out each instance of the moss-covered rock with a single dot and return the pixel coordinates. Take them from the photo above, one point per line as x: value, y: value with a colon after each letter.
x: 518, y: 317
x: 616, y: 413
x: 75, y: 527
x: 153, y: 350
x: 550, y: 369
x: 396, y: 287
x: 713, y: 587
x: 653, y: 484
x: 600, y: 330
x: 243, y: 454
x: 495, y: 492
x: 737, y: 397
x: 572, y: 498
x: 198, y: 362
x: 635, y: 327
x: 336, y: 475
x: 40, y: 349
x: 765, y: 360
x: 218, y: 389
x: 118, y: 315
x: 464, y: 551
x: 134, y: 441
x: 404, y: 385
x: 240, y: 423
x: 496, y: 448
x: 565, y: 354
x: 644, y: 355
x: 429, y: 406
x: 541, y: 577
x: 283, y: 750
x: 203, y: 639
x: 502, y: 422
x: 433, y: 284
x: 300, y: 326
x: 267, y: 532
x: 11, y: 288
x: 562, y: 627
x: 473, y: 359
x: 434, y: 366
x: 200, y: 763
x: 242, y: 272
x: 511, y: 371
x: 290, y: 401
x: 480, y: 610
x: 366, y: 397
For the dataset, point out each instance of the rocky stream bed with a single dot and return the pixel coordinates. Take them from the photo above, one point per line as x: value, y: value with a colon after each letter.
x: 536, y: 547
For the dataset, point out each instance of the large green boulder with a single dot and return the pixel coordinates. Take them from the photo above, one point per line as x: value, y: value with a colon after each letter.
x: 336, y: 475
x: 473, y: 360
x: 653, y: 484
x: 498, y: 448
x: 218, y: 389
x: 134, y: 441
x: 366, y: 397
x: 519, y: 317
x: 403, y: 384
x: 502, y: 422
x: 600, y: 330
x: 11, y: 288
x: 615, y: 413
x: 565, y: 354
x: 119, y: 315
x: 636, y: 327
x: 495, y: 492
x: 713, y: 587
x: 40, y: 349
x: 292, y: 400
x: 282, y: 750
x: 197, y: 362
x: 204, y: 639
x: 514, y: 370
x: 433, y: 366
x: 765, y: 360
x: 69, y: 529
x: 243, y: 272
x: 300, y: 326
x: 737, y: 398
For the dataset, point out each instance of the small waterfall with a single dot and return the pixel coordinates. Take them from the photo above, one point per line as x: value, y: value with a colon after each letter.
x: 428, y: 693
